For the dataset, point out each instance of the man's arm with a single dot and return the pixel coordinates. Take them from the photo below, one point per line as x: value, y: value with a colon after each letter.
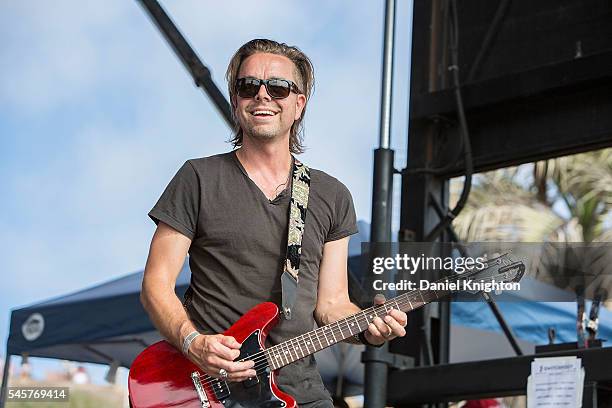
x: 211, y: 352
x: 333, y: 301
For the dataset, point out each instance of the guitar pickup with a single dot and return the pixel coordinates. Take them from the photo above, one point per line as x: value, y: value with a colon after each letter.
x: 220, y: 389
x: 250, y: 382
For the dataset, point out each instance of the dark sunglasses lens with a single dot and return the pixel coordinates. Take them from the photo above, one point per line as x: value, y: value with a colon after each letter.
x: 248, y: 88
x: 278, y: 88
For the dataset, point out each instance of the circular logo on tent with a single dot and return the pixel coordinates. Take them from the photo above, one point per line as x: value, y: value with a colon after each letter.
x: 33, y: 327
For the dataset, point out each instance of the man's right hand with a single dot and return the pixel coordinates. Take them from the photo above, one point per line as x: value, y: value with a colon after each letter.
x: 214, y: 352
x: 210, y: 352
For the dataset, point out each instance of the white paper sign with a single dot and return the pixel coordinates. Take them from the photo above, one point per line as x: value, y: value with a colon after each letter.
x: 555, y: 382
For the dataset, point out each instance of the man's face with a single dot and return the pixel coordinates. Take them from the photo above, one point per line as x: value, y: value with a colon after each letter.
x: 261, y: 116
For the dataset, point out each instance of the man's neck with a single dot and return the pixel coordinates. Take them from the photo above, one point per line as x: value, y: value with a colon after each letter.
x: 271, y: 159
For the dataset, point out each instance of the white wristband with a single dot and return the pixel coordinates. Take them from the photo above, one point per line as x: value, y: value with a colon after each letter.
x: 187, y: 342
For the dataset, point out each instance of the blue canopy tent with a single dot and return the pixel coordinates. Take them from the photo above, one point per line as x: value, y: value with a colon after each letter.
x: 105, y: 324
x: 102, y: 324
x: 531, y: 320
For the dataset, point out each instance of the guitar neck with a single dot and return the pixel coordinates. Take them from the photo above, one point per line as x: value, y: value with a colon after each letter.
x: 309, y: 343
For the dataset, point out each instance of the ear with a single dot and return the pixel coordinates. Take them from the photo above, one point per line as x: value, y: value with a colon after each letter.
x: 300, y: 104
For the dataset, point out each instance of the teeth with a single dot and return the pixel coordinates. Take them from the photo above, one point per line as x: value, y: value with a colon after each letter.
x: 263, y: 112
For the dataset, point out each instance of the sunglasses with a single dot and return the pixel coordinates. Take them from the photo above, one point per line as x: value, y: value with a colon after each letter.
x: 276, y: 88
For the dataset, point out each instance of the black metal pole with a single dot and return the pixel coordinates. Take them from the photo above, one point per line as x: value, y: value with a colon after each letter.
x: 5, y: 379
x: 382, y: 195
x: 199, y: 72
x: 375, y: 382
x: 502, y: 323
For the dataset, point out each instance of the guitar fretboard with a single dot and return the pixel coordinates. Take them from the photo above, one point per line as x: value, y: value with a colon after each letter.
x: 309, y: 343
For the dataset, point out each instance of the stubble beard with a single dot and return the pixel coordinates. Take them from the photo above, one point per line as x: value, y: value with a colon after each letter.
x: 263, y: 133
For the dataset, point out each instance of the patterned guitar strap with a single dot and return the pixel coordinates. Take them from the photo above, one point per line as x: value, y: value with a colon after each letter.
x: 300, y: 188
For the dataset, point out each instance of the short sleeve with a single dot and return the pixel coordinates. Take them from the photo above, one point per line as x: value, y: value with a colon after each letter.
x: 345, y: 221
x: 179, y: 204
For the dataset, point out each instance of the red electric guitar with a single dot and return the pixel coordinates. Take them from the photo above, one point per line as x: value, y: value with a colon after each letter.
x: 162, y: 377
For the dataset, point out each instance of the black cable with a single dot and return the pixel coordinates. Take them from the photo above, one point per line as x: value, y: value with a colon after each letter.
x: 467, y: 147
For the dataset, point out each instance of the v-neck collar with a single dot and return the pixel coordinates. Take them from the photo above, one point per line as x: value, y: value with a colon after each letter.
x: 280, y: 196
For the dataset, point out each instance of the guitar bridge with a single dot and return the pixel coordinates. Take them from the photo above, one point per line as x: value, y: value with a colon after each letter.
x: 195, y: 377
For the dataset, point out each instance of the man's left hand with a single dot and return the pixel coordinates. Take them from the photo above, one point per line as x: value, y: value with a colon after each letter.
x: 385, y: 329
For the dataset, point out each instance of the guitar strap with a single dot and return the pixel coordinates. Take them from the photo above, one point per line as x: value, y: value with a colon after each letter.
x: 300, y: 187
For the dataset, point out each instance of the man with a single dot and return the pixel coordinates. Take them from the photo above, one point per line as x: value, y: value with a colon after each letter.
x: 230, y: 213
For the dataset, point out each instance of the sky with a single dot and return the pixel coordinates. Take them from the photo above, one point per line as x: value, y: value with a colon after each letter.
x: 97, y: 114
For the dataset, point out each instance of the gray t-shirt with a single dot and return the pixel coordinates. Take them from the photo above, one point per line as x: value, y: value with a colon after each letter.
x: 239, y: 242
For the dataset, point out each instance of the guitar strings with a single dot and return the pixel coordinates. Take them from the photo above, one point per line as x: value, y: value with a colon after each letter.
x: 261, y: 359
x: 375, y: 309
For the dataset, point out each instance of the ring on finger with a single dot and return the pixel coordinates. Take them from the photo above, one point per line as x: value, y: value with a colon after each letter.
x: 223, y: 373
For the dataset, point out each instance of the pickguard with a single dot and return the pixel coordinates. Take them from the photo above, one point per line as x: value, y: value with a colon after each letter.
x: 254, y: 393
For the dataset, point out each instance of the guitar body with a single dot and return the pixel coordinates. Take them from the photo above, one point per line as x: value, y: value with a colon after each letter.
x: 162, y: 377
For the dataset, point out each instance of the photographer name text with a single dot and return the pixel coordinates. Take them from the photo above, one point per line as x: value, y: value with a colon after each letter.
x: 470, y: 285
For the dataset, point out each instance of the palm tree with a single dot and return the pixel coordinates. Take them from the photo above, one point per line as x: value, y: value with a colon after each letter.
x: 568, y: 199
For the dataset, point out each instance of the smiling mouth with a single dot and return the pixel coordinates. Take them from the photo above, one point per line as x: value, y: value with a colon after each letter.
x: 263, y: 113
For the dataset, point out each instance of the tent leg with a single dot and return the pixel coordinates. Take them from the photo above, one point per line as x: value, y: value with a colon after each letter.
x: 5, y: 379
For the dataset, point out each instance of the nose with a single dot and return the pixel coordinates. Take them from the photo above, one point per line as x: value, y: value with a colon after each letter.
x: 262, y: 94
